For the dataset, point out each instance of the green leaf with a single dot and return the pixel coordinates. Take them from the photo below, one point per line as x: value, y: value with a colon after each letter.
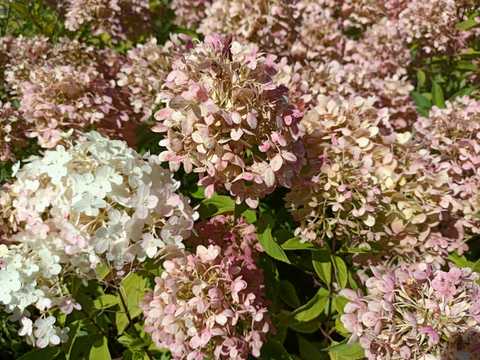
x: 340, y: 328
x: 421, y: 101
x: 309, y: 350
x: 270, y: 245
x: 132, y: 289
x: 304, y: 327
x: 467, y: 24
x: 216, y: 205
x: 341, y: 271
x: 102, y: 270
x: 105, y: 302
x: 41, y: 354
x: 273, y: 350
x: 339, y: 303
x: 297, y: 244
x: 421, y: 78
x: 289, y: 294
x: 346, y: 352
x: 132, y: 343
x: 437, y: 95
x: 314, y: 307
x: 99, y: 350
x: 75, y: 329
x: 323, y: 268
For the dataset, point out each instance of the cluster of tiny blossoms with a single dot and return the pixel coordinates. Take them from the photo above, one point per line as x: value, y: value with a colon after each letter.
x: 145, y: 70
x: 210, y: 304
x: 363, y: 185
x: 414, y: 312
x: 117, y: 18
x: 64, y: 86
x: 96, y: 201
x: 30, y: 280
x: 226, y: 119
x: 451, y: 136
x: 269, y: 24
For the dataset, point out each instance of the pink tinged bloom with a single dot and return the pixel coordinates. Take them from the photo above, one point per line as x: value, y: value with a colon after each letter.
x: 433, y: 337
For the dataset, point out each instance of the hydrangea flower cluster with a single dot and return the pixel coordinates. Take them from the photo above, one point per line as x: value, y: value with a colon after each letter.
x: 189, y: 13
x: 414, y: 312
x: 65, y: 86
x: 210, y: 304
x: 363, y: 185
x: 451, y: 135
x: 30, y: 280
x: 96, y: 201
x: 226, y: 119
x: 117, y: 18
x: 269, y: 24
x: 144, y: 73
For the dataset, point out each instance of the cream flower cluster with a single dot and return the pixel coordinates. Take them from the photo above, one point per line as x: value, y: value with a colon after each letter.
x: 96, y: 201
x: 30, y: 283
x: 364, y: 185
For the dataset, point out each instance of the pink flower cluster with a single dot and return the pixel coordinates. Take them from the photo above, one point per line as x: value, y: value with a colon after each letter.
x: 64, y: 86
x: 117, y: 18
x: 144, y: 72
x: 226, y: 119
x: 414, y: 312
x: 364, y: 185
x: 190, y: 13
x: 269, y: 24
x: 320, y: 58
x: 452, y: 136
x: 210, y: 304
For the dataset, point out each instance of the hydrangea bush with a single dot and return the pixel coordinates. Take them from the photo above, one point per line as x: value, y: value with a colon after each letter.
x: 218, y: 179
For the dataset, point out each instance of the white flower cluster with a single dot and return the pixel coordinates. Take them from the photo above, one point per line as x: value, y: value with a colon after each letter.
x: 72, y: 209
x: 97, y: 200
x: 30, y: 278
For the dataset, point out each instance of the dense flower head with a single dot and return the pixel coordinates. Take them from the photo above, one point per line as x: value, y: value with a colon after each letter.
x: 95, y: 201
x: 29, y: 283
x: 66, y: 86
x: 226, y: 119
x: 413, y: 312
x: 190, y: 13
x: 117, y: 18
x: 269, y: 24
x: 363, y: 186
x: 451, y: 136
x: 22, y: 55
x: 10, y: 133
x: 146, y: 68
x: 210, y: 304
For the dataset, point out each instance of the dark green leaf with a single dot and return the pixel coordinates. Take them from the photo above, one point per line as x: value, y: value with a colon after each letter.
x: 41, y: 354
x: 297, y: 244
x: 341, y: 271
x: 309, y: 350
x: 289, y: 294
